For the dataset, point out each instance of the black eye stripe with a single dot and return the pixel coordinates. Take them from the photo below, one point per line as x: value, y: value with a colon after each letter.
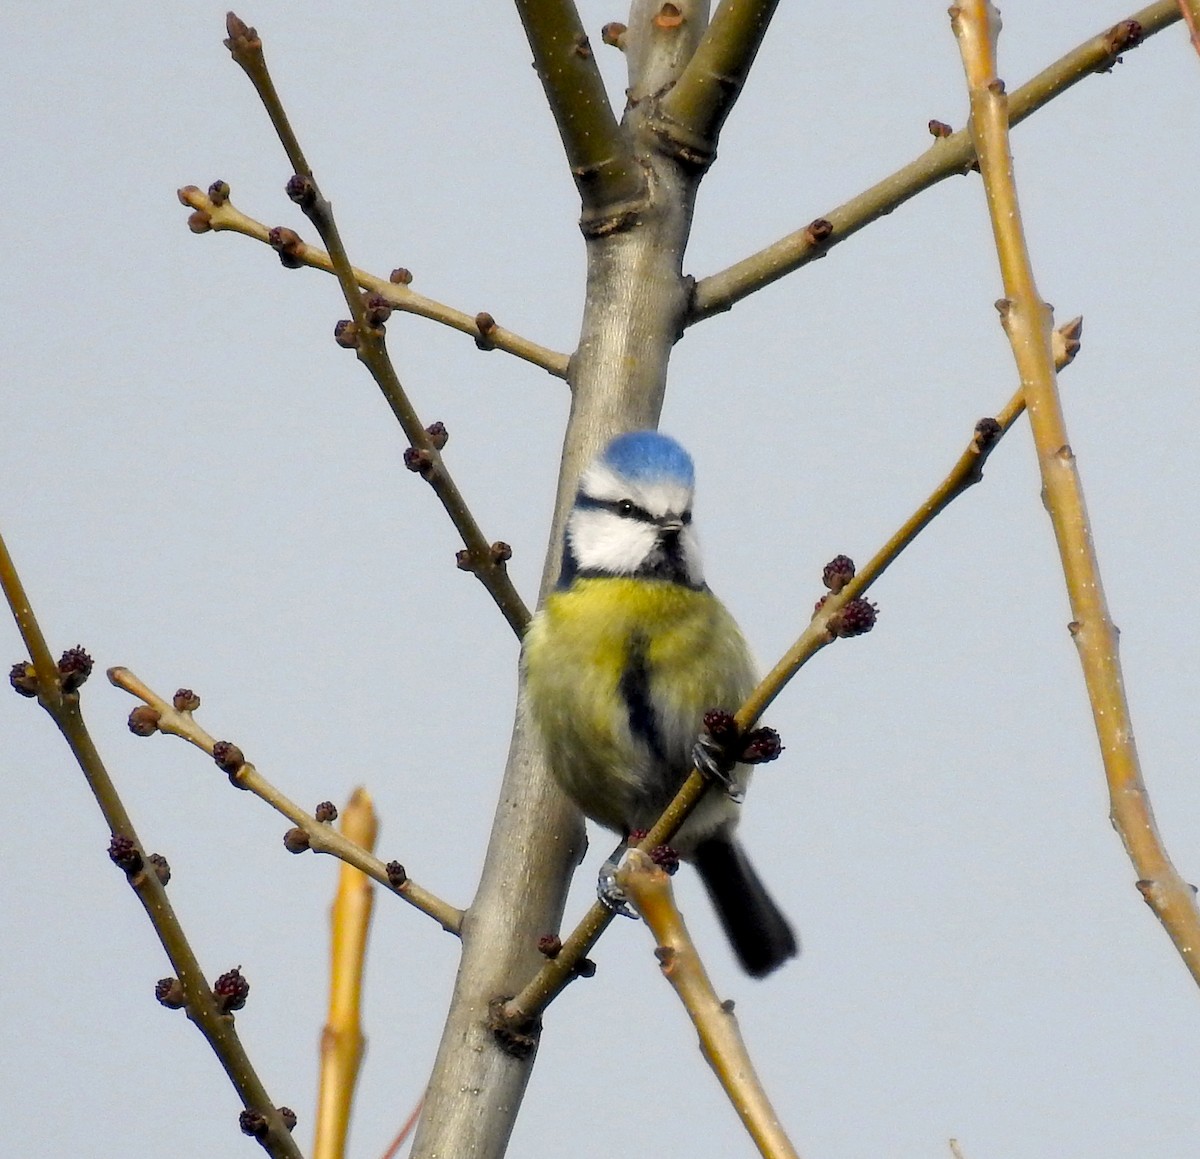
x: 625, y: 508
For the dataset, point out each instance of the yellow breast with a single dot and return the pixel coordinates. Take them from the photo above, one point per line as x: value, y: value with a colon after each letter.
x: 579, y: 649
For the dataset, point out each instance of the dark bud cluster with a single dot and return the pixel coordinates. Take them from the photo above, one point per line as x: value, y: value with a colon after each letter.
x: 345, y: 334
x: 761, y: 745
x: 169, y: 991
x: 326, y: 812
x: 585, y: 968
x: 400, y: 276
x: 229, y: 760
x: 253, y: 1123
x: 218, y: 192
x: 838, y: 572
x: 549, y: 945
x: 161, y: 867
x: 486, y: 325
x: 501, y: 552
x: 666, y: 858
x: 939, y: 129
x: 419, y: 461
x: 296, y: 840
x: 376, y: 310
x: 438, y: 435
x: 74, y: 667
x: 231, y: 990
x: 819, y: 231
x: 185, y: 700
x: 855, y: 619
x: 143, y: 720
x: 289, y: 1117
x: 124, y: 854
x: 301, y: 189
x: 987, y: 431
x: 396, y: 874
x: 23, y: 678
x: 286, y: 242
x: 721, y: 726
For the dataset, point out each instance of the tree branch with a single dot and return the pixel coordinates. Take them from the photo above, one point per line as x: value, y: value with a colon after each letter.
x: 174, y: 718
x: 58, y: 692
x: 945, y: 158
x: 693, y: 111
x: 610, y: 181
x: 648, y: 887
x: 365, y: 335
x: 1027, y: 321
x: 214, y: 211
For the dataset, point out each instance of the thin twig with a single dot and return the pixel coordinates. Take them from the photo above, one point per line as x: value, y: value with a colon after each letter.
x: 1027, y: 321
x: 945, y: 158
x: 648, y: 888
x: 319, y: 836
x: 218, y: 213
x: 559, y: 971
x: 365, y: 334
x: 58, y: 694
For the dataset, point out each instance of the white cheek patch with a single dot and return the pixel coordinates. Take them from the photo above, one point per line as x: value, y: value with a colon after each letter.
x: 604, y: 541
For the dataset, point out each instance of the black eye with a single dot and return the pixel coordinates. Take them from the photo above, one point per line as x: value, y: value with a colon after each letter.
x: 685, y: 518
x: 625, y: 507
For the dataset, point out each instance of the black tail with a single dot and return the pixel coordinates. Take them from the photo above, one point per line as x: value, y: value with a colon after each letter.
x: 759, y: 933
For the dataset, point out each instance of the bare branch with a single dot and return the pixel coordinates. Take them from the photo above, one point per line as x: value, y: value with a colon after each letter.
x: 945, y: 158
x: 214, y: 211
x: 609, y: 179
x: 1027, y: 321
x: 58, y: 693
x: 694, y: 110
x: 365, y: 335
x: 648, y: 887
x: 174, y: 717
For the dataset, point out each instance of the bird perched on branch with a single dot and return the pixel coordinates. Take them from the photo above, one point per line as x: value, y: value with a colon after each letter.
x: 623, y: 661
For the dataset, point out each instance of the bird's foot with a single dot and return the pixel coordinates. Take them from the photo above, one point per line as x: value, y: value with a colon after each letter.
x: 610, y: 893
x: 711, y: 756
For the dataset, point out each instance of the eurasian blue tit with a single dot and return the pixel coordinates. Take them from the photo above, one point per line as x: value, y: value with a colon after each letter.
x: 624, y: 659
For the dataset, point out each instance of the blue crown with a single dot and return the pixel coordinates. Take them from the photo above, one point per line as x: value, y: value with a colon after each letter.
x: 647, y: 456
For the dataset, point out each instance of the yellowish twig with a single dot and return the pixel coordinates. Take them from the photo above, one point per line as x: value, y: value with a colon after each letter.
x: 649, y: 889
x: 318, y: 835
x: 342, y: 1041
x: 1191, y: 16
x: 219, y: 213
x: 1027, y: 321
x: 945, y: 158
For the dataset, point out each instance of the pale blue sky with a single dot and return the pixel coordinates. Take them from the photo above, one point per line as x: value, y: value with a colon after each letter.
x: 203, y: 487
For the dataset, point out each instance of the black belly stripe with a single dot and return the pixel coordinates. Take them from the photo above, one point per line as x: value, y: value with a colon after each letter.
x: 635, y: 691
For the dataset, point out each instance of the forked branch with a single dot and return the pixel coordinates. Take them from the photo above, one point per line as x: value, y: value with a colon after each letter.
x: 1027, y: 321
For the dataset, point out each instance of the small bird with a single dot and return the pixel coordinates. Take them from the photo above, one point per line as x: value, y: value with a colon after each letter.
x: 621, y: 664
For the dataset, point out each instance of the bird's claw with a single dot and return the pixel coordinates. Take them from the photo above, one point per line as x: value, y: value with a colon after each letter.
x: 611, y: 894
x: 712, y: 760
